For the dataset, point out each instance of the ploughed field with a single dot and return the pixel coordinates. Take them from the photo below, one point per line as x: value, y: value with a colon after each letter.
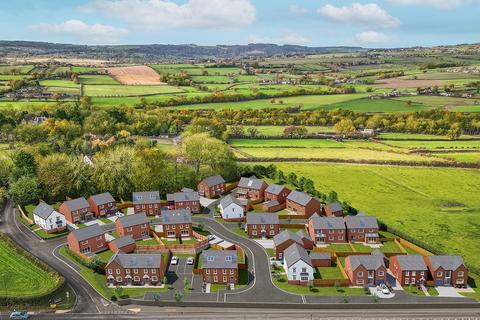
x: 135, y: 75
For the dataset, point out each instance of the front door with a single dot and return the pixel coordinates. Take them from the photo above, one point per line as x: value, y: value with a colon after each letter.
x: 448, y: 278
x: 371, y: 277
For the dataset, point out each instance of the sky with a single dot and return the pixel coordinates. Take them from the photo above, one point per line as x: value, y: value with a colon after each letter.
x: 387, y: 23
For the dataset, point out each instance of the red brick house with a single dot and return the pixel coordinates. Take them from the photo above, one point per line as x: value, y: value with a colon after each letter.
x: 124, y: 244
x: 135, y: 269
x: 361, y: 228
x: 187, y: 199
x: 265, y: 225
x: 174, y: 224
x: 326, y: 230
x: 365, y: 270
x: 211, y: 187
x: 302, y: 204
x: 87, y: 240
x: 76, y: 210
x: 219, y: 266
x: 447, y: 270
x: 102, y: 204
x: 286, y: 238
x: 146, y: 202
x: 251, y: 188
x: 333, y: 209
x: 276, y: 192
x: 409, y: 269
x: 135, y: 225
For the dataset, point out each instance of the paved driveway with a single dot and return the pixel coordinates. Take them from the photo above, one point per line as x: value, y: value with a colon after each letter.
x: 448, y: 292
x: 205, y: 202
x: 267, y: 243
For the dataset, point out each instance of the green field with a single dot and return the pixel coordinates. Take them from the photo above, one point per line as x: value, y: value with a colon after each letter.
x: 125, y: 90
x: 378, y: 105
x: 460, y: 156
x: 22, y: 278
x: 409, y: 136
x: 273, y: 131
x: 440, y: 206
x: 21, y: 69
x: 96, y: 79
x: 432, y: 145
x: 59, y: 83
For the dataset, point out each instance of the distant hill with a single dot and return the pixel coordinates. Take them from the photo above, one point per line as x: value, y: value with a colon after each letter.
x: 159, y: 51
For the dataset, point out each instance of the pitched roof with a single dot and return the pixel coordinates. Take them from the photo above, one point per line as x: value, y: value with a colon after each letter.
x: 286, y: 235
x: 77, y: 204
x: 335, y: 206
x: 186, y: 196
x: 146, y: 197
x: 446, y: 262
x: 43, y: 210
x: 175, y: 216
x: 370, y: 262
x: 264, y: 218
x: 123, y: 241
x: 411, y: 262
x: 102, y: 198
x: 274, y: 189
x: 377, y: 252
x: 133, y: 219
x: 229, y: 199
x: 271, y: 203
x: 296, y: 253
x: 320, y: 255
x: 88, y: 232
x: 299, y: 197
x: 303, y: 235
x: 219, y: 259
x: 327, y: 222
x: 250, y: 183
x: 213, y: 180
x: 355, y: 222
x: 137, y: 260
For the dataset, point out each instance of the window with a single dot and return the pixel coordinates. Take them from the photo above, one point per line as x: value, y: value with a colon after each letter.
x: 331, y: 231
x: 127, y: 271
x: 224, y: 271
x: 407, y: 273
x: 129, y: 229
x: 360, y: 274
x: 439, y: 273
x: 407, y: 280
x: 294, y: 277
x: 135, y: 271
x: 414, y: 273
x: 232, y: 271
x: 117, y: 271
x: 110, y: 271
x: 254, y: 233
x: 145, y: 271
x: 214, y: 271
x: 228, y: 258
x: 360, y: 281
x: 340, y: 238
x: 209, y: 258
x: 460, y: 273
x: 224, y: 279
x: 207, y: 271
x: 381, y: 273
x: 272, y: 232
x: 119, y: 279
x: 254, y: 226
x: 294, y: 270
x: 154, y: 278
x: 304, y: 269
x: 352, y: 231
x: 304, y: 278
x: 215, y: 279
x: 340, y: 231
x: 136, y: 278
x: 422, y: 273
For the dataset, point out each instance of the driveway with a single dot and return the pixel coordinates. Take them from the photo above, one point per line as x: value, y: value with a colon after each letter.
x: 448, y: 292
x: 205, y: 202
x: 266, y: 243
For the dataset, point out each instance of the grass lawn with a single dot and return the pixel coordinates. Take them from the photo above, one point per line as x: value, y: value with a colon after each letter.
x: 413, y: 290
x: 282, y: 283
x: 105, y: 256
x: 270, y: 252
x: 106, y: 220
x: 418, y: 200
x: 151, y: 241
x: 44, y: 235
x: 190, y: 241
x: 432, y: 291
x: 22, y: 277
x: 362, y: 248
x: 332, y: 272
x: 340, y: 247
x: 240, y: 231
x: 390, y: 246
x: 201, y: 231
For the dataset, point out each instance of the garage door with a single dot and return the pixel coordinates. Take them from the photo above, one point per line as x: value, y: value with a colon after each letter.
x: 438, y: 283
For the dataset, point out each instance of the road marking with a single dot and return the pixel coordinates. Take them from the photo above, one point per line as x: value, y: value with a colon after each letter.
x: 303, y: 299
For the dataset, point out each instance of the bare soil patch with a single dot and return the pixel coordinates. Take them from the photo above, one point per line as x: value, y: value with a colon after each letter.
x: 135, y: 75
x: 396, y: 83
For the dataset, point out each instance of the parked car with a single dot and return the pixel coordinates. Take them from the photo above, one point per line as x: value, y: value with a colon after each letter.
x: 384, y: 289
x: 211, y: 237
x: 174, y: 260
x: 20, y: 315
x: 190, y: 260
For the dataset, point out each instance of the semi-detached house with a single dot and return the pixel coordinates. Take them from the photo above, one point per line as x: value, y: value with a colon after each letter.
x: 76, y: 210
x: 87, y: 240
x: 135, y: 225
x: 147, y: 202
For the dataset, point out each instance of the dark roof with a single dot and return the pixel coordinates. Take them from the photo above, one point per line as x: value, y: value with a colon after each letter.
x: 88, y: 232
x: 137, y: 260
x: 411, y: 262
x: 335, y: 206
x: 123, y: 241
x: 286, y: 235
x: 327, y: 222
x: 186, y: 196
x: 133, y: 219
x: 102, y: 198
x: 213, y: 180
x: 250, y: 183
x: 377, y: 252
x: 271, y: 203
x: 219, y: 259
x: 229, y: 199
x: 446, y: 262
x: 274, y: 189
x: 370, y: 262
x: 295, y: 253
x: 43, y: 210
x: 303, y: 235
x: 263, y: 218
x: 320, y: 255
x: 146, y: 197
x: 77, y: 204
x: 355, y: 222
x: 175, y: 216
x: 299, y: 197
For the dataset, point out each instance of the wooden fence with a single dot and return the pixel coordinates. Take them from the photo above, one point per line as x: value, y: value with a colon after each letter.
x: 292, y: 225
x: 414, y: 247
x: 330, y: 282
x: 291, y: 216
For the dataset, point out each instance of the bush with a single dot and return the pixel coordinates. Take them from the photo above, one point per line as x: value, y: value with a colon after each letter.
x: 113, y: 298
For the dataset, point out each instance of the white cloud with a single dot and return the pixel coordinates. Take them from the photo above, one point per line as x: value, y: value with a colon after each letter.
x: 92, y: 33
x: 296, y: 9
x: 442, y: 4
x: 154, y: 14
x: 372, y: 37
x: 287, y: 37
x: 369, y: 14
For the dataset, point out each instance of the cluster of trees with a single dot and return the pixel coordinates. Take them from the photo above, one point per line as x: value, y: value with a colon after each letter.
x: 299, y: 182
x: 31, y: 175
x: 177, y: 79
x: 17, y: 84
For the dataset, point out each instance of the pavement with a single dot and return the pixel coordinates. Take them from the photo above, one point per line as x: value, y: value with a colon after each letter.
x: 448, y: 292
